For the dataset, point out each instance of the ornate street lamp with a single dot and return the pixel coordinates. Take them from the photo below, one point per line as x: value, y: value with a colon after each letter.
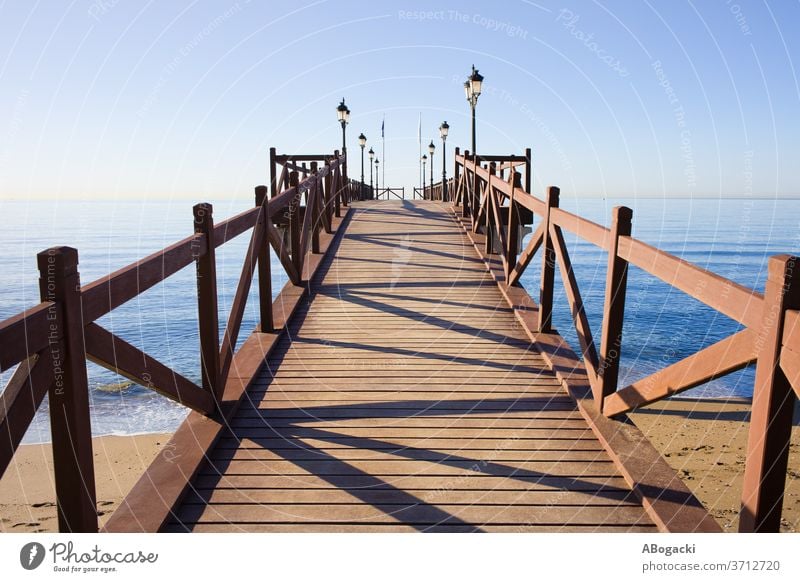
x: 343, y: 115
x: 377, y: 181
x: 443, y: 129
x: 362, y: 141
x: 424, y: 161
x: 431, y: 150
x: 371, y: 157
x: 472, y: 88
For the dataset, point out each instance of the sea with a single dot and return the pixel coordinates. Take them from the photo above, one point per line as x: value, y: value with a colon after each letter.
x: 731, y: 237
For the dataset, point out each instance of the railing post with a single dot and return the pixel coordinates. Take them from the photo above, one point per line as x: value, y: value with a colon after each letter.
x: 70, y: 423
x: 513, y: 225
x: 456, y: 174
x: 476, y: 194
x: 613, y: 307
x: 337, y: 186
x: 489, y: 239
x: 314, y: 209
x: 207, y: 306
x: 273, y: 173
x: 266, y: 324
x: 548, y: 266
x: 326, y: 196
x: 772, y: 408
x: 466, y: 193
x: 528, y: 170
x: 295, y: 225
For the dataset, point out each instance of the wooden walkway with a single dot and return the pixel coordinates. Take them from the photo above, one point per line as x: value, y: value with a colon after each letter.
x: 405, y: 396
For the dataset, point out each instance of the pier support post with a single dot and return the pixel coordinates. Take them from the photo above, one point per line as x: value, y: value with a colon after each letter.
x: 490, y: 234
x: 337, y: 187
x: 73, y: 459
x: 773, y: 406
x: 312, y: 206
x: 295, y: 225
x: 326, y: 198
x: 548, y: 265
x: 515, y: 179
x: 273, y: 172
x: 528, y: 170
x: 207, y: 306
x: 466, y: 190
x: 266, y: 323
x: 613, y: 307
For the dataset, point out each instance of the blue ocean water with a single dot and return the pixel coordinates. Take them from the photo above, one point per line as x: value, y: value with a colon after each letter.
x: 732, y: 237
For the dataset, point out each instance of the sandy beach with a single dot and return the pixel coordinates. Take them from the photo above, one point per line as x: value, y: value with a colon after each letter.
x: 27, y: 495
x: 704, y: 441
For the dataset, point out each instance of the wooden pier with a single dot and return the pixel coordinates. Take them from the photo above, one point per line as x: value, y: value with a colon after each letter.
x: 403, y: 380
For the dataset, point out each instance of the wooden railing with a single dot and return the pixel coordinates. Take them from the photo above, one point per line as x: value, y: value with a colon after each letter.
x: 492, y: 199
x: 51, y: 342
x: 390, y: 193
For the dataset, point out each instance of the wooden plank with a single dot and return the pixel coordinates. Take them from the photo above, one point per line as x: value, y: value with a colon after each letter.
x: 589, y: 231
x: 773, y: 406
x: 265, y: 320
x: 613, y: 308
x: 234, y: 226
x: 20, y: 400
x: 25, y: 334
x: 731, y: 299
x: 790, y: 365
x: 612, y: 497
x: 476, y: 446
x: 70, y: 424
x: 579, y: 317
x: 546, y: 281
x: 411, y: 514
x: 115, y: 354
x: 207, y: 304
x: 726, y: 356
x: 229, y: 338
x: 109, y: 292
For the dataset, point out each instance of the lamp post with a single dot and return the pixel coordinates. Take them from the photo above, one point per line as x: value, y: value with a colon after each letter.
x: 371, y: 157
x: 431, y: 149
x: 377, y: 176
x: 343, y: 115
x: 472, y: 88
x: 362, y: 141
x: 443, y: 129
x: 424, y: 161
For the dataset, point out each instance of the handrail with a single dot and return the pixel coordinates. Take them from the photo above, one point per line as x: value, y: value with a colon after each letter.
x: 490, y: 204
x: 51, y: 342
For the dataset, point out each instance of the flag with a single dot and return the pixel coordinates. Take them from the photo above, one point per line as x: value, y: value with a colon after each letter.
x: 382, y: 124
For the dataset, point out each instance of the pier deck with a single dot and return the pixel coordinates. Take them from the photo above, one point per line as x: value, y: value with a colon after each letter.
x: 404, y: 395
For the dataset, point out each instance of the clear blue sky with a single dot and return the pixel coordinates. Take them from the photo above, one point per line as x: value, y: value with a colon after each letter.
x: 117, y: 98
